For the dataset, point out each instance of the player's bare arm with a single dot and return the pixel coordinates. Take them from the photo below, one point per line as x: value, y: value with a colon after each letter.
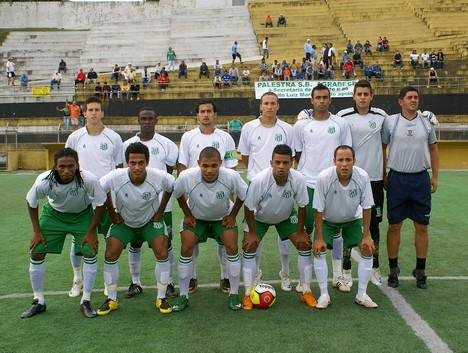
x: 434, y: 155
x: 230, y: 219
x: 319, y: 244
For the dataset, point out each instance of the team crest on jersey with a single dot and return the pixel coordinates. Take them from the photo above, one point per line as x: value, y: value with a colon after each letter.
x: 74, y: 192
x: 410, y: 133
x: 220, y: 195
x: 331, y: 130
x: 154, y: 150
x: 353, y: 193
x: 146, y: 196
x: 372, y: 124
x: 215, y: 145
x: 287, y: 194
x: 103, y: 146
x: 278, y: 137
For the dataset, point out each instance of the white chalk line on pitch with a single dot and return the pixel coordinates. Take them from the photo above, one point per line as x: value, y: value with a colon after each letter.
x: 215, y: 285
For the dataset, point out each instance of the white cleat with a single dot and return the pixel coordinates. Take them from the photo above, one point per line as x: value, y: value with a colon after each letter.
x: 340, y: 283
x: 76, y: 288
x: 286, y: 284
x: 323, y: 301
x: 299, y: 288
x: 348, y: 278
x: 365, y: 301
x: 376, y: 278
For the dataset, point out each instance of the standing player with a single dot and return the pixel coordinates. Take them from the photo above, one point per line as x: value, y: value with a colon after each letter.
x: 343, y: 201
x: 315, y: 140
x: 68, y: 210
x: 191, y: 143
x: 270, y: 202
x: 209, y: 213
x: 100, y: 151
x: 163, y: 156
x: 258, y: 139
x: 136, y: 193
x: 366, y: 128
x: 412, y: 151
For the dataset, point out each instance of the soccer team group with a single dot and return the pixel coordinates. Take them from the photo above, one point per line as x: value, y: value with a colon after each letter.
x: 337, y: 189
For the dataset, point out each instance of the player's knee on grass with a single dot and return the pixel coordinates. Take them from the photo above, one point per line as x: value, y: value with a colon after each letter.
x: 301, y: 242
x: 38, y: 257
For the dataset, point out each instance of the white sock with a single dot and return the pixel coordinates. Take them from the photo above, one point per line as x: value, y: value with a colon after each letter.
x: 170, y: 253
x: 196, y: 251
x: 364, y: 273
x: 337, y: 255
x: 36, y: 275
x: 234, y: 269
x: 89, y: 276
x: 161, y: 273
x: 304, y: 265
x: 249, y: 269
x: 283, y: 247
x: 75, y: 261
x: 111, y: 278
x: 258, y: 253
x: 134, y: 264
x: 321, y: 272
x: 222, y: 261
x: 185, y: 273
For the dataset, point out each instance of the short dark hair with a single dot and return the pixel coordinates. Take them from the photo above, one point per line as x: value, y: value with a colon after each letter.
x: 144, y: 109
x: 205, y: 101
x: 407, y: 89
x: 209, y: 152
x: 363, y: 84
x: 319, y: 87
x: 282, y: 149
x: 92, y: 99
x: 344, y: 147
x: 137, y: 147
x: 269, y: 94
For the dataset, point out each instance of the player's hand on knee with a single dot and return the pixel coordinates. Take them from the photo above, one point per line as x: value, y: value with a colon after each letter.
x: 318, y: 246
x: 37, y: 238
x: 250, y: 242
x: 229, y: 221
x: 367, y: 246
x: 301, y: 241
x: 158, y: 216
x: 91, y: 239
x: 190, y: 221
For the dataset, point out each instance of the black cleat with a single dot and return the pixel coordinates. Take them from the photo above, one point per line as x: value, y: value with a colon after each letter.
x: 170, y: 291
x: 193, y: 285
x: 34, y: 309
x: 421, y: 278
x: 393, y: 277
x: 224, y: 285
x: 133, y: 290
x: 86, y: 309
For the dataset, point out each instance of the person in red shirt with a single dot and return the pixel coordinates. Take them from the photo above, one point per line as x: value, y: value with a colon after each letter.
x: 163, y: 81
x: 348, y: 69
x: 80, y: 77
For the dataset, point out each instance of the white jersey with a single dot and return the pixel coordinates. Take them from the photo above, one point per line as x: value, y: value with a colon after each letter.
x: 137, y: 204
x: 317, y: 141
x: 340, y: 203
x: 163, y: 152
x: 305, y: 114
x: 99, y: 154
x: 210, y: 201
x: 273, y: 203
x: 366, y: 132
x: 193, y: 141
x: 69, y: 198
x: 258, y: 141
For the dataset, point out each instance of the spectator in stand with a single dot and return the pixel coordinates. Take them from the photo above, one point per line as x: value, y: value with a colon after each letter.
x: 322, y: 67
x: 425, y: 60
x: 314, y: 55
x: 125, y: 90
x: 116, y: 73
x: 358, y: 47
x: 62, y: 67
x: 385, y: 44
x: 146, y: 77
x: 234, y: 73
x: 268, y: 21
x: 294, y: 69
x: 265, y: 49
x: 344, y: 59
x: 277, y: 72
x: 226, y: 79
x: 414, y: 59
x: 157, y: 71
x: 217, y: 82
x: 115, y: 91
x: 10, y: 72
x: 204, y: 71
x: 56, y: 80
x: 92, y: 76
x: 163, y: 81
x: 308, y: 49
x: 246, y: 75
x: 235, y: 53
x: 367, y: 48
x: 432, y: 77
x: 24, y: 80
x: 171, y: 58
x: 66, y: 114
x: 129, y: 73
x: 264, y: 76
x: 263, y: 66
x: 281, y: 21
x: 273, y: 66
x: 80, y: 77
x: 348, y: 69
x: 433, y: 58
x: 287, y: 74
x: 217, y: 68
x: 331, y: 55
x: 98, y: 90
x: 182, y: 70
x: 329, y: 73
x: 397, y: 60
x: 379, y: 44
x: 75, y: 111
x: 163, y: 71
x: 349, y: 47
x: 106, y: 90
x: 357, y: 59
x: 440, y: 59
x: 373, y: 70
x: 310, y: 70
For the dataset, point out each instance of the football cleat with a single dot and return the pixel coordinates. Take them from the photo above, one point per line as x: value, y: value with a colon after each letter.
x: 393, y: 277
x: 421, y: 278
x: 86, y: 309
x: 286, y: 284
x: 171, y: 291
x: 299, y: 287
x: 323, y: 301
x: 163, y: 306
x: 108, y: 306
x: 76, y: 289
x: 224, y: 285
x: 193, y: 284
x: 181, y: 303
x: 247, y: 303
x: 309, y: 299
x: 365, y: 301
x: 34, y: 309
x: 340, y: 283
x: 133, y: 290
x: 234, y: 302
x: 376, y: 278
x: 348, y: 278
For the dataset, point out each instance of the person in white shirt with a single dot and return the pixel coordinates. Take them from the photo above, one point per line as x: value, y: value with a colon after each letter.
x: 258, y: 139
x: 56, y: 80
x: 99, y: 151
x: 163, y: 156
x: 270, y: 201
x: 10, y: 72
x: 209, y: 212
x: 137, y: 216
x: 70, y: 193
x: 191, y: 143
x: 343, y: 202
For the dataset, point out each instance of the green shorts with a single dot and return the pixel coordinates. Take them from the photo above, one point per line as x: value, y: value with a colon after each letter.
x: 284, y: 228
x: 105, y: 223
x: 310, y: 211
x: 139, y: 235
x: 350, y: 231
x: 208, y: 229
x: 56, y: 225
x: 168, y: 222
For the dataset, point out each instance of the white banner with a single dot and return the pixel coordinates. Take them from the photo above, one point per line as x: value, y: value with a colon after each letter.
x: 302, y: 89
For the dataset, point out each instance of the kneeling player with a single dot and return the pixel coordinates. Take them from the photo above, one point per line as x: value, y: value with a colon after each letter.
x: 209, y: 213
x: 343, y: 200
x: 270, y: 202
x: 137, y: 216
x: 70, y: 193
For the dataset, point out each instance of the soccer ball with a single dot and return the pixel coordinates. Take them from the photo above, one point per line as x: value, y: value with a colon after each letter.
x: 263, y: 296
